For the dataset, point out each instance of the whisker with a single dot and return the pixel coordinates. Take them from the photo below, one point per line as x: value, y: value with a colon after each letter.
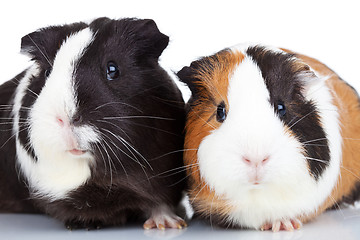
x: 10, y: 118
x: 12, y: 136
x: 205, y: 121
x: 125, y: 142
x: 177, y: 151
x: 42, y: 53
x: 11, y: 106
x: 10, y: 123
x: 318, y: 145
x: 110, y: 103
x: 102, y: 157
x: 188, y: 175
x: 134, y: 159
x: 314, y: 140
x: 211, y: 206
x: 174, y: 173
x: 306, y: 115
x: 145, y: 90
x: 172, y: 103
x: 198, y: 193
x: 134, y: 117
x: 122, y: 165
x: 6, y: 130
x: 337, y: 206
x: 31, y: 91
x: 318, y: 160
x: 114, y: 125
x: 109, y: 160
x: 150, y: 127
x: 355, y: 139
x: 178, y: 170
x: 351, y: 172
x: 27, y: 88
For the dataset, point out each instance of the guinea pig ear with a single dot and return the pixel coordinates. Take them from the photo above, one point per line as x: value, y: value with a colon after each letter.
x: 307, y: 77
x: 187, y: 76
x: 151, y: 42
x: 43, y: 44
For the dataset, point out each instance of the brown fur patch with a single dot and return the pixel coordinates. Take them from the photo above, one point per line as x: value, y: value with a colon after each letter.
x: 201, y: 121
x: 347, y: 102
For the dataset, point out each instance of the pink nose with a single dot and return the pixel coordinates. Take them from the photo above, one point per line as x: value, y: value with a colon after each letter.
x: 255, y: 161
x: 60, y: 121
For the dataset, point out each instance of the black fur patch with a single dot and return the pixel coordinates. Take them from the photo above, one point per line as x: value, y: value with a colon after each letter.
x: 14, y: 195
x: 282, y: 79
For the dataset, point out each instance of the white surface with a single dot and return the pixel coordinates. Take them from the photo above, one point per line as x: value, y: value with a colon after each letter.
x: 340, y: 225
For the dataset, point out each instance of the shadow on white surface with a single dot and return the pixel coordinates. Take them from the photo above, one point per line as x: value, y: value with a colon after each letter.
x: 333, y: 225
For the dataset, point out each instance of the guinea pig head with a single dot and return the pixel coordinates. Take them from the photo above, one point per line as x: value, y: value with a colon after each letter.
x: 257, y: 136
x: 82, y: 91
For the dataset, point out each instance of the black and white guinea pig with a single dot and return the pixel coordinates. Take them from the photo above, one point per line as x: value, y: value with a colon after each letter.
x: 271, y: 138
x: 91, y: 130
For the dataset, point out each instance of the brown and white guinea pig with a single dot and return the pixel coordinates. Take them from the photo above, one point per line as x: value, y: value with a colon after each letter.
x: 271, y: 138
x: 88, y: 131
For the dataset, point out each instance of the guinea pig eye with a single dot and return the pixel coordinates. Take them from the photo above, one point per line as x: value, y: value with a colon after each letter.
x: 221, y: 112
x: 47, y: 72
x: 281, y: 109
x: 112, y: 71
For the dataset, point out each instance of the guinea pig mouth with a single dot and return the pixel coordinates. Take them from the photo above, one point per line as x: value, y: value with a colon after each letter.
x: 77, y: 152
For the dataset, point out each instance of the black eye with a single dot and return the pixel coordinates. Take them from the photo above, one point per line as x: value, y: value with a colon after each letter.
x: 281, y: 109
x: 221, y: 112
x: 47, y: 72
x: 112, y: 71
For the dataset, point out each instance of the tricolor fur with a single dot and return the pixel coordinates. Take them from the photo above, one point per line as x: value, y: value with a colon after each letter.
x: 92, y: 149
x: 261, y: 165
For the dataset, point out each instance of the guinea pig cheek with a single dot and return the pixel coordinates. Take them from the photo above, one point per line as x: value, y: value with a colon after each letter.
x: 216, y: 162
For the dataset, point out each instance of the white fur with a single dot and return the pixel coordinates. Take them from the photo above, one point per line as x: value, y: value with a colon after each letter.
x: 253, y: 130
x: 56, y: 171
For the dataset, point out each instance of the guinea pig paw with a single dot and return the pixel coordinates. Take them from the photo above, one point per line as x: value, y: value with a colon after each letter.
x: 164, y: 219
x: 287, y: 225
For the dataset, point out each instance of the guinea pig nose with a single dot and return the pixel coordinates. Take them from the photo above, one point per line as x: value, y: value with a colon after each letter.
x: 60, y: 121
x: 255, y: 161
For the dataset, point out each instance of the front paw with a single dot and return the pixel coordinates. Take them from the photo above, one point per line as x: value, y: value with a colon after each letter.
x: 89, y: 225
x: 287, y: 225
x: 162, y: 218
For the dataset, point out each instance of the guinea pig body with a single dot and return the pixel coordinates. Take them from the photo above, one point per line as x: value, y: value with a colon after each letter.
x: 89, y: 130
x: 271, y: 137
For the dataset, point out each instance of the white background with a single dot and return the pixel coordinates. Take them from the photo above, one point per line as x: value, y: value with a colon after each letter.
x: 327, y: 30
